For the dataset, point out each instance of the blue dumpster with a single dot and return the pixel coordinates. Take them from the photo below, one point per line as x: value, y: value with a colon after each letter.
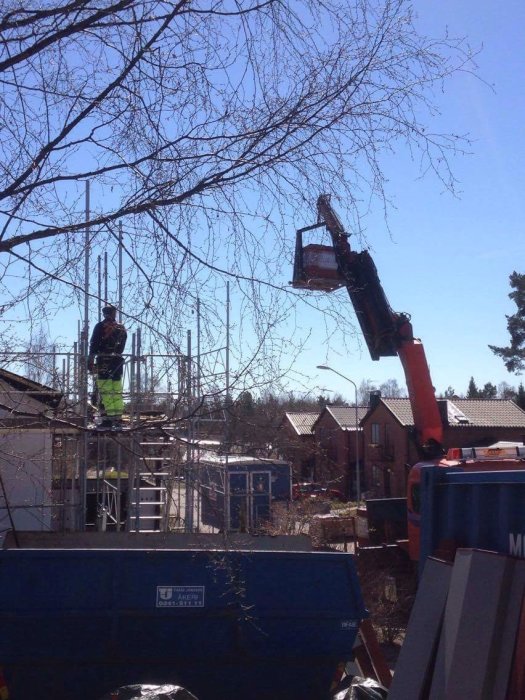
x: 77, y: 623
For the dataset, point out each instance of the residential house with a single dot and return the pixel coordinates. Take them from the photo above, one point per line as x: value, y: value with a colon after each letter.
x: 41, y: 453
x: 389, y: 450
x: 297, y: 444
x: 339, y: 442
x: 27, y: 439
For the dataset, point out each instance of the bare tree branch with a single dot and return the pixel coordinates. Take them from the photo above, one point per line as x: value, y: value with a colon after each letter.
x: 206, y: 131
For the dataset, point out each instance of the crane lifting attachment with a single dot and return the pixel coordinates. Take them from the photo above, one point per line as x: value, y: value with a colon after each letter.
x: 386, y: 332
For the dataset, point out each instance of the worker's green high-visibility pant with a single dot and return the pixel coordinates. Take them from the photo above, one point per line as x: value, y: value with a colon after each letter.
x: 110, y: 393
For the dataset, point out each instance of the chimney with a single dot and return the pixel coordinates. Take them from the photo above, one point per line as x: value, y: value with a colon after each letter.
x: 374, y: 398
x: 443, y: 410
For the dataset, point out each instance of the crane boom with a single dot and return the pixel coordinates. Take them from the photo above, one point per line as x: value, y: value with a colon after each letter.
x: 386, y: 332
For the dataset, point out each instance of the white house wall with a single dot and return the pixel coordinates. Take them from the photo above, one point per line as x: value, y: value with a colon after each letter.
x: 25, y: 466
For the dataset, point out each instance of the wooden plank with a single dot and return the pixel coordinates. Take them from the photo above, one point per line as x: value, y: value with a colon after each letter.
x: 505, y: 642
x: 415, y: 662
x: 380, y: 667
x: 363, y: 662
x: 517, y: 677
x: 472, y: 617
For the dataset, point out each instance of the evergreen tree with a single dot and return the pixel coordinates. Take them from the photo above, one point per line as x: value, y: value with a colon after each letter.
x: 514, y: 355
x: 472, y: 391
x: 489, y: 391
x: 520, y: 397
x: 246, y: 404
x: 322, y: 401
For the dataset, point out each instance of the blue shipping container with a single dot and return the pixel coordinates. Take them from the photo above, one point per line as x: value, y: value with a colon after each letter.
x: 77, y: 623
x: 485, y: 510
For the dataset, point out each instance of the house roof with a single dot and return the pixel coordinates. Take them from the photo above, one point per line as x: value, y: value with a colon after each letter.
x: 301, y: 422
x: 483, y: 413
x: 344, y: 416
x: 21, y: 395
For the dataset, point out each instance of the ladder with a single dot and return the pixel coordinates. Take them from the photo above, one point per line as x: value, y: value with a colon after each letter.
x: 145, y: 491
x: 148, y: 495
x: 149, y: 503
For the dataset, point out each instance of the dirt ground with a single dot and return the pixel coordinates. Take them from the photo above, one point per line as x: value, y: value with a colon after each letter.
x: 391, y: 652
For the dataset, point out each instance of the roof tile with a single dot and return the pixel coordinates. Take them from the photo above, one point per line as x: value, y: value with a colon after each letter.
x: 302, y: 422
x: 493, y: 413
x: 345, y: 415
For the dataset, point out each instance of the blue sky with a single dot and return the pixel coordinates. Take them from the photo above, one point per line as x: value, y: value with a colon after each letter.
x: 447, y: 260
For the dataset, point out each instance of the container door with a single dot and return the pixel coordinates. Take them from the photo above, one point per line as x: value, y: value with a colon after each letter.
x: 239, y: 511
x: 261, y: 486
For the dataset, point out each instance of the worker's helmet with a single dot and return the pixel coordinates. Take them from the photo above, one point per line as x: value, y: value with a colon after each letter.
x: 109, y: 310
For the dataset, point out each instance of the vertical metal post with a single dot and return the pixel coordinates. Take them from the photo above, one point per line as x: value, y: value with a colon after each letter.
x: 119, y: 485
x: 120, y: 249
x: 99, y: 285
x: 63, y: 481
x: 119, y: 447
x: 138, y: 375
x: 139, y: 359
x: 132, y: 461
x: 181, y: 375
x: 196, y: 431
x: 73, y: 506
x: 137, y: 451
x: 106, y: 300
x: 198, y: 378
x: 67, y: 387
x: 132, y: 376
x: 99, y: 468
x: 228, y: 340
x: 226, y: 487
x: 137, y: 448
x: 152, y: 381
x: 226, y: 513
x: 78, y: 366
x: 189, y: 451
x: 357, y: 467
x: 75, y: 373
x: 54, y: 371
x: 86, y: 259
x: 83, y: 368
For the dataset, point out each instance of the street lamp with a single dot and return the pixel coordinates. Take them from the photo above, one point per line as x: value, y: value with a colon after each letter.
x: 357, y: 473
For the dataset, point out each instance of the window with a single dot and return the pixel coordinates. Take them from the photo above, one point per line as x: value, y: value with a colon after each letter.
x: 376, y: 434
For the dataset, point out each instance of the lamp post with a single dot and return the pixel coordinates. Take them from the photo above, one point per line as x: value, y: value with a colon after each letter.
x: 357, y: 473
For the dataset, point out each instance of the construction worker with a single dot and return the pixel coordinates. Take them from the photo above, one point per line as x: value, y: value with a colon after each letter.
x: 106, y: 362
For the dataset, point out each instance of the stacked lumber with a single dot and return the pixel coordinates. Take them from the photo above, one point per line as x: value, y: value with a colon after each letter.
x: 466, y: 633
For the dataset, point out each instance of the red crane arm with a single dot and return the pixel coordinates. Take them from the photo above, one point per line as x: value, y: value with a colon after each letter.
x: 386, y: 332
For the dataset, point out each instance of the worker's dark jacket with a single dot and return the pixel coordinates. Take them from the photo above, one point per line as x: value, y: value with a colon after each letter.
x: 107, y: 344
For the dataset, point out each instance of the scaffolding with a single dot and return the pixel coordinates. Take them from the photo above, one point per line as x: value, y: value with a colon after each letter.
x: 141, y: 478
